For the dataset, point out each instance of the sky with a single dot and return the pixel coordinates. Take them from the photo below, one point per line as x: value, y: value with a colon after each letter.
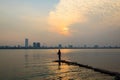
x: 53, y: 22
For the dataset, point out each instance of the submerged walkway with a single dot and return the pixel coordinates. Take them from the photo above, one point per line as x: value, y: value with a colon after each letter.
x: 116, y: 75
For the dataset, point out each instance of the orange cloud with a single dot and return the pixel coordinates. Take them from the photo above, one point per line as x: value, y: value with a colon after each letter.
x: 69, y: 12
x: 65, y: 15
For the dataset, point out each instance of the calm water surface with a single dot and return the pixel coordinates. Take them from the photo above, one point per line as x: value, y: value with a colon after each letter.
x: 38, y: 65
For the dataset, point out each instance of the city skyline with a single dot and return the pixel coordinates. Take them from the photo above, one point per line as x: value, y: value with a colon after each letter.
x: 39, y: 45
x: 77, y: 22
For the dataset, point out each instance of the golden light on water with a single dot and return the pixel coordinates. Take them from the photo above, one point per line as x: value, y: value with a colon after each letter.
x: 65, y: 51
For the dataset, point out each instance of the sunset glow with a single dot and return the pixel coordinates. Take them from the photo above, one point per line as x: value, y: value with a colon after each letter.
x: 65, y: 29
x: 69, y: 12
x: 55, y: 21
x: 59, y: 39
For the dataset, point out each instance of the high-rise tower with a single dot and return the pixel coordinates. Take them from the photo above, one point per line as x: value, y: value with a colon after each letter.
x: 26, y: 43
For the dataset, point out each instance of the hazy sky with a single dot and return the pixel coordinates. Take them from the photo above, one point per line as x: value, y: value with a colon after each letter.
x: 52, y: 22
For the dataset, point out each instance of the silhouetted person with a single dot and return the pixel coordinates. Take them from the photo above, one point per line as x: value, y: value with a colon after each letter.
x: 59, y: 57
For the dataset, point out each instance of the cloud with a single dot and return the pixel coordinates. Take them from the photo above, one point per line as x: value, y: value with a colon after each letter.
x: 69, y: 12
x: 65, y: 14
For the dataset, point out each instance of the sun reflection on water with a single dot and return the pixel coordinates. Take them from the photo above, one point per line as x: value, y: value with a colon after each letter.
x: 65, y: 51
x: 59, y: 72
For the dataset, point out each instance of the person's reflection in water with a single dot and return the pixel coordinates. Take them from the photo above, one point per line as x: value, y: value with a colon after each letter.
x: 59, y: 78
x: 59, y: 65
x: 26, y: 60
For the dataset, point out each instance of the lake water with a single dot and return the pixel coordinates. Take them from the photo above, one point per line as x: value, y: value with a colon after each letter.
x: 38, y: 64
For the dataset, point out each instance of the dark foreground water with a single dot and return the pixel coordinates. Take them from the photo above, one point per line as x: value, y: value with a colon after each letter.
x: 38, y: 65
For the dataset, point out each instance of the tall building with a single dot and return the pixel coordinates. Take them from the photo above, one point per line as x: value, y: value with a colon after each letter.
x: 36, y: 44
x: 26, y: 43
x: 70, y: 46
x: 60, y: 46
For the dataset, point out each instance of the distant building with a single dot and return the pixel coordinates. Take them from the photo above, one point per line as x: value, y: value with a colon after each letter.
x: 26, y: 43
x: 96, y: 46
x: 36, y: 45
x: 60, y: 46
x: 85, y: 46
x: 70, y: 46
